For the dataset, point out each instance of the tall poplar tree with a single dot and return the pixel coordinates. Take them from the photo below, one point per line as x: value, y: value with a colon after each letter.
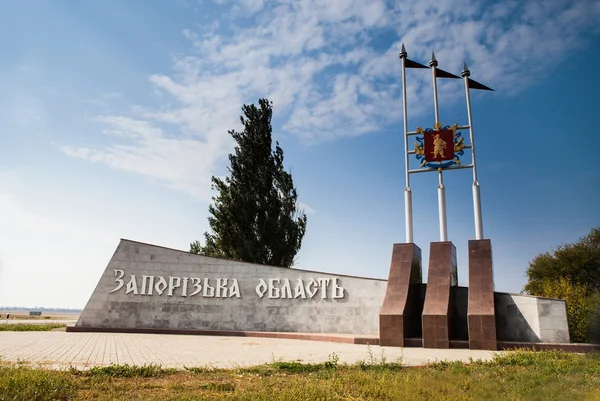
x: 255, y: 216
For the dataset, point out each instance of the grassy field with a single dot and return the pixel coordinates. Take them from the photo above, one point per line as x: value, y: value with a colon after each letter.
x: 30, y: 327
x: 518, y: 375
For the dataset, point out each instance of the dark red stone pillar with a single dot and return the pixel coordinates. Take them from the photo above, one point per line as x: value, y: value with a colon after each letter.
x: 437, y: 311
x: 480, y: 314
x: 405, y: 269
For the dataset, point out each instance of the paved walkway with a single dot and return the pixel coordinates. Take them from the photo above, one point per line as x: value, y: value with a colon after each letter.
x: 83, y: 350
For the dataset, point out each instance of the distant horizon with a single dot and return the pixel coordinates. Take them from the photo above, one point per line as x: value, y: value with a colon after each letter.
x: 39, y: 308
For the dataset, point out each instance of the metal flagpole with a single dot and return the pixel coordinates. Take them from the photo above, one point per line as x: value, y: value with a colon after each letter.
x: 407, y: 192
x: 433, y: 64
x: 441, y: 190
x: 476, y: 193
x: 442, y: 209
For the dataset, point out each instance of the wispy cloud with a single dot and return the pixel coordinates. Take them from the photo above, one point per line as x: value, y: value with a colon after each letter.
x: 104, y: 99
x: 329, y: 77
x: 306, y: 208
x: 183, y: 164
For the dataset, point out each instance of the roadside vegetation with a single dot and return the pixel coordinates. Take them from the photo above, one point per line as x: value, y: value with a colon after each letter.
x: 572, y: 272
x: 516, y: 375
x: 30, y: 327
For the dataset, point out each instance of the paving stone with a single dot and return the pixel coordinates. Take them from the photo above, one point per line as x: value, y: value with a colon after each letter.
x: 84, y: 350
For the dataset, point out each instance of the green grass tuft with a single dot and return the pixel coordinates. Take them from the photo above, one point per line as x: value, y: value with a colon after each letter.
x: 131, y: 371
x: 31, y: 327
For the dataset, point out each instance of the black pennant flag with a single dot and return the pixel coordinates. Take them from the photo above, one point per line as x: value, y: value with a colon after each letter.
x: 444, y: 74
x: 477, y: 85
x: 413, y: 64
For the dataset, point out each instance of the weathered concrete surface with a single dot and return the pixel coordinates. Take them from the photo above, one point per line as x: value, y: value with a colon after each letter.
x: 356, y: 313
x: 84, y: 350
x: 530, y: 319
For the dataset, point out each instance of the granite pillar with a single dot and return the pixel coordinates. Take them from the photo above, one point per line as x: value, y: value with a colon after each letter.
x: 481, y: 317
x: 437, y: 311
x: 405, y: 269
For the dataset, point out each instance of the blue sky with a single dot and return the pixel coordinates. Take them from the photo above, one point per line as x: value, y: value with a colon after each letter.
x: 114, y: 116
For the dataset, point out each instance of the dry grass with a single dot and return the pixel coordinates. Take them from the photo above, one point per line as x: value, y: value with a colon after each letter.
x: 519, y: 375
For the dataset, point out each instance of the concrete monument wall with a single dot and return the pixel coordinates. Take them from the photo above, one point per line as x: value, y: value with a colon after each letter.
x: 531, y: 319
x: 150, y: 287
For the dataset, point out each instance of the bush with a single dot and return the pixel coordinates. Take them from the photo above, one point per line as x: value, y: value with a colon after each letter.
x: 594, y: 332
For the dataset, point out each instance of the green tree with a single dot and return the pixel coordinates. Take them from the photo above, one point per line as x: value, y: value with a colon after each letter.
x: 572, y: 272
x: 578, y: 262
x: 255, y: 216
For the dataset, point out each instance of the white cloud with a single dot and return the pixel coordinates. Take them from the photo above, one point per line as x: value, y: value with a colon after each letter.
x: 183, y: 164
x: 318, y: 61
x: 306, y: 208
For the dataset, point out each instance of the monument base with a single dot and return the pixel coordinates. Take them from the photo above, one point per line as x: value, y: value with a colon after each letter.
x: 481, y: 316
x: 398, y: 310
x: 437, y: 311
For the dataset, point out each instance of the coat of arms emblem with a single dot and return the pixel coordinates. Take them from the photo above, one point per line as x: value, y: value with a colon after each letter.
x: 439, y: 147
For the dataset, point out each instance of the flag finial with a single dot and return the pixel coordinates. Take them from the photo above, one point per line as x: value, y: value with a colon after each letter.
x: 433, y: 62
x: 465, y: 71
x: 403, y: 53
